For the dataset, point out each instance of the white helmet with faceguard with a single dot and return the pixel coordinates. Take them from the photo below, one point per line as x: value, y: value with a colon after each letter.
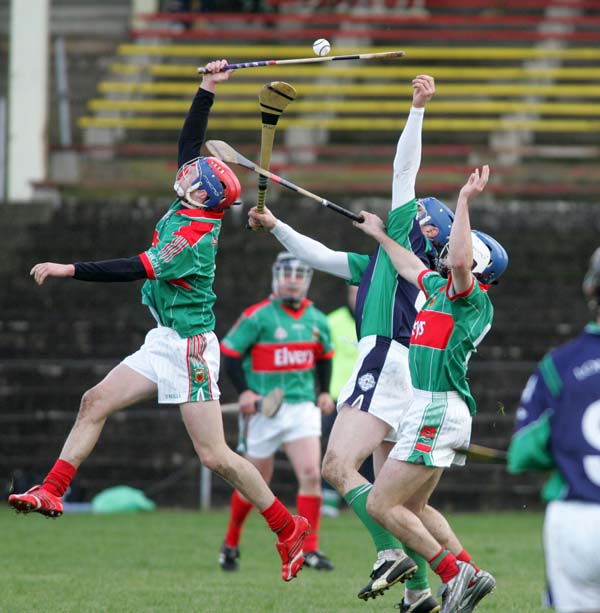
x: 291, y: 279
x: 489, y: 258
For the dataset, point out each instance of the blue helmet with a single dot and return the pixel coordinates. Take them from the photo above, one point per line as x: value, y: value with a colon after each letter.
x: 433, y: 212
x: 211, y: 175
x: 490, y: 257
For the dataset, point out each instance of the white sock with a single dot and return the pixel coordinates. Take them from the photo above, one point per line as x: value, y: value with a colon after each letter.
x: 390, y: 554
x: 412, y: 596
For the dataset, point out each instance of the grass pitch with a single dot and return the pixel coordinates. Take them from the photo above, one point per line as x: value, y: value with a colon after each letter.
x: 167, y: 561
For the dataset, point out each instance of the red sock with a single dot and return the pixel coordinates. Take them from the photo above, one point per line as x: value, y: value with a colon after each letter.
x: 58, y: 479
x: 464, y: 556
x: 279, y: 519
x: 239, y: 511
x: 444, y: 564
x: 310, y: 507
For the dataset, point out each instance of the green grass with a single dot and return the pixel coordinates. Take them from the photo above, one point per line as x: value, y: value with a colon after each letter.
x: 167, y: 561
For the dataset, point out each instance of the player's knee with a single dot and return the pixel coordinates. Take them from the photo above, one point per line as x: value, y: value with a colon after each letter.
x: 215, y: 459
x: 332, y: 469
x: 309, y: 477
x: 92, y: 406
x: 374, y: 507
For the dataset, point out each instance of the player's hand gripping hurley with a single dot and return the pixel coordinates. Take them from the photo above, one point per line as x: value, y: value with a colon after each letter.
x: 386, y: 55
x: 221, y: 150
x: 274, y: 97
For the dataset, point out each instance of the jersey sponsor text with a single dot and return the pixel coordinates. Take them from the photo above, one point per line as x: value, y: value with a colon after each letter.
x: 432, y: 329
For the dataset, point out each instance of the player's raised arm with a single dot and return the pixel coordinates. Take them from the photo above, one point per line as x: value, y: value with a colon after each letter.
x: 314, y: 253
x: 408, y: 265
x: 460, y: 247
x: 193, y: 131
x: 408, y: 152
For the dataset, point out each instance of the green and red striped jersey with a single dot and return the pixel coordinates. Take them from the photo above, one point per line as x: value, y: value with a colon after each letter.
x: 181, y: 269
x: 280, y: 346
x: 446, y: 333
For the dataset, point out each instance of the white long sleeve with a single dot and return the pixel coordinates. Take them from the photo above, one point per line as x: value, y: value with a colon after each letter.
x: 408, y: 159
x: 315, y: 254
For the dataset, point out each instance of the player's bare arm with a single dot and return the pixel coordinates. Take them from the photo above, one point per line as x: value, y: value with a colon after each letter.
x: 423, y: 90
x: 40, y: 272
x: 460, y: 251
x: 372, y: 225
x: 405, y: 262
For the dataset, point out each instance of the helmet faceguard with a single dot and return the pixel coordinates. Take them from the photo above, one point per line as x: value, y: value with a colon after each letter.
x: 489, y: 258
x: 591, y: 282
x: 436, y: 220
x: 291, y: 279
x: 211, y: 175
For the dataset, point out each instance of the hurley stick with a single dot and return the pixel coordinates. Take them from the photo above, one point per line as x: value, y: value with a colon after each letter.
x: 273, y: 98
x: 386, y: 55
x: 480, y: 453
x: 221, y: 150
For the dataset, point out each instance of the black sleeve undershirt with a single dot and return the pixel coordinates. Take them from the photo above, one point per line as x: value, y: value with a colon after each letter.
x: 122, y: 269
x: 323, y: 369
x: 235, y: 371
x: 193, y: 131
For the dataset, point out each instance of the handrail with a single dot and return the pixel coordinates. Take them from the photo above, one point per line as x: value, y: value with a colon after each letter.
x: 386, y: 19
x: 309, y: 34
x: 337, y: 123
x: 484, y: 4
x: 485, y: 53
x: 375, y: 90
x: 389, y: 71
x: 364, y: 107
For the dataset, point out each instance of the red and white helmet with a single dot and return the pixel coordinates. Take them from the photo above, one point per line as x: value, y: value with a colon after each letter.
x: 211, y: 175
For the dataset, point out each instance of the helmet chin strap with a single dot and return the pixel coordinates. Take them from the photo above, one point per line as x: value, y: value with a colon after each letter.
x: 189, y: 200
x: 293, y: 303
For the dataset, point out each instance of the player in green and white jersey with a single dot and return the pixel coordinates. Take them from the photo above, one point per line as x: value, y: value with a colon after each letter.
x: 179, y: 360
x: 454, y: 319
x: 372, y: 404
x: 281, y: 342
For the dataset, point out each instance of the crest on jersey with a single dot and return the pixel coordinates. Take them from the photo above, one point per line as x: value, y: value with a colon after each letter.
x: 280, y: 333
x: 366, y: 382
x: 199, y: 375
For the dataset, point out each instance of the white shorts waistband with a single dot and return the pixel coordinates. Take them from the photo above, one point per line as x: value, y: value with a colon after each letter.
x: 435, y: 395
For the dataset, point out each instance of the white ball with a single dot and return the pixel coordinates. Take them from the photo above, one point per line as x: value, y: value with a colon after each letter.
x: 321, y: 47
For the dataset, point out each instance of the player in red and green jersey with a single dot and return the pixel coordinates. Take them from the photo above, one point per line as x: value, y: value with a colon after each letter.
x: 179, y: 360
x: 454, y: 319
x: 283, y: 341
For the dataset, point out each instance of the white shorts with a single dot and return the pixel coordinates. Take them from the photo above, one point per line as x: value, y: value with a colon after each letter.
x: 261, y: 437
x: 435, y: 425
x: 571, y: 544
x: 380, y: 382
x: 184, y: 369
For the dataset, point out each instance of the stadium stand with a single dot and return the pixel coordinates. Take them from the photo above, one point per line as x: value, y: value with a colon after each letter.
x: 516, y: 81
